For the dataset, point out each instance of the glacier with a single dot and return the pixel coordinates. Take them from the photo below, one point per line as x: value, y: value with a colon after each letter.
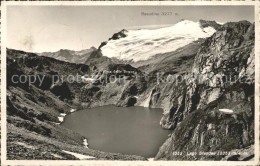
x: 142, y: 44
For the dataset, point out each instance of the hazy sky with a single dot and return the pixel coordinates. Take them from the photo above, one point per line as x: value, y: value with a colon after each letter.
x: 50, y: 28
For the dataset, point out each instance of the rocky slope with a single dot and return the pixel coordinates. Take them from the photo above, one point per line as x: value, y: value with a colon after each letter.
x: 196, y: 116
x: 204, y: 109
x: 33, y: 109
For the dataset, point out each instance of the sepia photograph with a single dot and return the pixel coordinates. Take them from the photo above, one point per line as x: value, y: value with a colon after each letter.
x: 129, y: 83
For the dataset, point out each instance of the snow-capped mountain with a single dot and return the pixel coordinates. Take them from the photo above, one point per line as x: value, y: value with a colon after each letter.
x: 138, y: 45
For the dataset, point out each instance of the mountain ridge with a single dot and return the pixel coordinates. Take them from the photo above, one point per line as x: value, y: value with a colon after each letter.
x: 70, y: 55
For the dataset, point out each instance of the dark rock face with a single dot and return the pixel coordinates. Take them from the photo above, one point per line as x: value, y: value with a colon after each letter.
x: 119, y: 35
x: 130, y: 92
x: 62, y: 90
x: 116, y: 36
x: 131, y: 101
x: 89, y: 93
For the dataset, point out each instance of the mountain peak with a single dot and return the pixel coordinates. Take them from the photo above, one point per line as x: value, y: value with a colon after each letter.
x: 119, y: 35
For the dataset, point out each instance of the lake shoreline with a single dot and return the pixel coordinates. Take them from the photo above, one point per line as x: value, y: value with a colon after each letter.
x: 156, y: 125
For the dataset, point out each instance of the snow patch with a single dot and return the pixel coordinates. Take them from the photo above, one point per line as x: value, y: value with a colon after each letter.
x: 226, y: 110
x: 85, y: 143
x: 143, y: 44
x: 221, y: 23
x: 150, y: 159
x: 146, y: 103
x: 56, y: 155
x: 25, y: 145
x: 72, y: 110
x: 87, y: 79
x: 61, y: 117
x: 79, y: 156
